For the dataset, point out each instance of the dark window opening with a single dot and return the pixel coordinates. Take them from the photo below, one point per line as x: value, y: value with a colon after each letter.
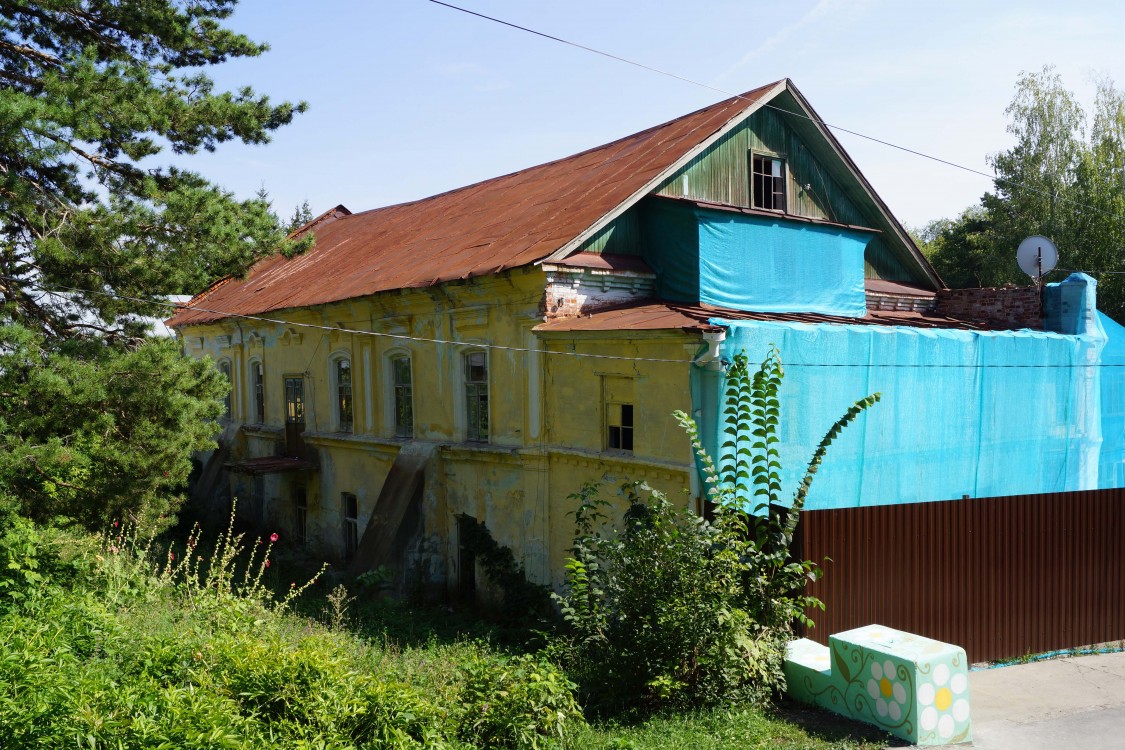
x: 768, y: 182
x: 295, y: 400
x: 224, y: 368
x: 257, y: 376
x: 619, y: 424
x: 344, y: 394
x: 404, y: 397
x: 466, y: 557
x: 301, y: 509
x: 350, y: 509
x: 476, y: 396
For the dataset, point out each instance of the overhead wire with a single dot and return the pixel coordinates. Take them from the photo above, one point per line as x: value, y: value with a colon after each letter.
x: 734, y: 95
x: 62, y: 290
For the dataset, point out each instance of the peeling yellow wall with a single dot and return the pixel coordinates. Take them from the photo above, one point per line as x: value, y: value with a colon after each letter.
x: 547, y: 420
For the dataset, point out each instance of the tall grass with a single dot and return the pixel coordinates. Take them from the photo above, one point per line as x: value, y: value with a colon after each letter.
x: 140, y: 645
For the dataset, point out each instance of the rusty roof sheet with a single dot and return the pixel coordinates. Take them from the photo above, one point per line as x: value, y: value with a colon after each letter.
x: 502, y: 223
x: 882, y: 286
x: 658, y: 315
x: 606, y: 262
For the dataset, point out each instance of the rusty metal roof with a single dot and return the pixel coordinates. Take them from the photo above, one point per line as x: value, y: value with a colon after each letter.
x: 657, y: 315
x: 882, y: 286
x: 481, y: 229
x: 606, y: 262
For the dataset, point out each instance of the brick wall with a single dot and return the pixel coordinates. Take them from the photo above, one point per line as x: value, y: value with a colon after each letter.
x: 1015, y: 307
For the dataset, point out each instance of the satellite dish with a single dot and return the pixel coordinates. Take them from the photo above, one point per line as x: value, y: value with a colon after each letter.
x: 1037, y: 255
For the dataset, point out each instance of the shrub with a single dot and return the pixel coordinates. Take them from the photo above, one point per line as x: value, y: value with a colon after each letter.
x: 526, y: 702
x: 674, y: 610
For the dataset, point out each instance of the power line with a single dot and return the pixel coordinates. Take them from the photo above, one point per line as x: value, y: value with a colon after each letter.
x: 734, y: 95
x: 62, y: 290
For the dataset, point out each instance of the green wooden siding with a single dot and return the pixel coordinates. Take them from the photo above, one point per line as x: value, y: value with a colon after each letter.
x: 619, y: 237
x: 721, y: 174
x: 881, y: 263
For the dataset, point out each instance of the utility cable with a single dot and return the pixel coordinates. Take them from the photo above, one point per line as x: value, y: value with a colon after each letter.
x: 62, y: 290
x: 733, y: 95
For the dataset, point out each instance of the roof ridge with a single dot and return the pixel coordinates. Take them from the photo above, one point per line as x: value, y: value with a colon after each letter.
x: 721, y: 103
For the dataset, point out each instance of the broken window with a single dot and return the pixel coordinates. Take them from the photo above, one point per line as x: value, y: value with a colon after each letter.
x: 350, y: 508
x: 295, y: 400
x: 343, y: 377
x: 403, y: 397
x: 258, y: 383
x: 768, y: 182
x: 618, y: 409
x: 476, y: 396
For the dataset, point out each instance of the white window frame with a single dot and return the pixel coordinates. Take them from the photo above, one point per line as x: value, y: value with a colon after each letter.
x: 759, y: 154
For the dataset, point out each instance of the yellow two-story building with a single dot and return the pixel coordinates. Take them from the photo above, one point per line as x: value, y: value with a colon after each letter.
x: 486, y: 351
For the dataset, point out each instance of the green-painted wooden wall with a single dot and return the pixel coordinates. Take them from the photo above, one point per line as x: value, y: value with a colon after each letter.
x: 721, y: 174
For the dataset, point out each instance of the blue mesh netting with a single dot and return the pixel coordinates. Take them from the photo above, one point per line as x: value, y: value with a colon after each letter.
x: 963, y: 412
x: 751, y: 262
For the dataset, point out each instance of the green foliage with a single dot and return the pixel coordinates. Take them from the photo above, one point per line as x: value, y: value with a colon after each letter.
x: 674, y: 610
x: 523, y: 602
x: 103, y: 435
x: 727, y: 728
x: 1055, y: 181
x: 96, y: 421
x: 128, y: 643
x: 525, y: 702
x: 302, y: 215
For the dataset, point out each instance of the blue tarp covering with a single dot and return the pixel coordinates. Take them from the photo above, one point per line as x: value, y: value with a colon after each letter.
x: 970, y: 413
x: 750, y: 262
x: 1111, y: 468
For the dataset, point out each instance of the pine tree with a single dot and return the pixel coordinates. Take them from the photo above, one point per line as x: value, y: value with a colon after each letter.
x: 96, y: 419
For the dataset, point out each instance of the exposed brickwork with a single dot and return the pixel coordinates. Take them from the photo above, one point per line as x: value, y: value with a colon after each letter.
x: 1016, y: 307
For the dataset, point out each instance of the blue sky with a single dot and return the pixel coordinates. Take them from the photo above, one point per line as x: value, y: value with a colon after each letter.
x: 408, y: 99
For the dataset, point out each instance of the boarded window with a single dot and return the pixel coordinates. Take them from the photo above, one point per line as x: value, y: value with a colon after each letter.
x: 618, y: 409
x: 350, y: 508
x: 403, y: 397
x: 476, y: 396
x: 768, y: 182
x: 343, y: 375
x: 295, y: 400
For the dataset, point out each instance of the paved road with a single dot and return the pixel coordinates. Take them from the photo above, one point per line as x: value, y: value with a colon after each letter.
x: 1076, y: 702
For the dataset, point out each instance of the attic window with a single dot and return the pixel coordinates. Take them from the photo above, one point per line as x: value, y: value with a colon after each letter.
x: 768, y: 182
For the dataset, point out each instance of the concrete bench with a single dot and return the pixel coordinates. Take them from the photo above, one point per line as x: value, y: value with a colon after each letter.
x: 913, y: 687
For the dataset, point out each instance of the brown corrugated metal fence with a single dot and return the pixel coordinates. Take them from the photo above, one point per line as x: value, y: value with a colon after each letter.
x: 1001, y: 577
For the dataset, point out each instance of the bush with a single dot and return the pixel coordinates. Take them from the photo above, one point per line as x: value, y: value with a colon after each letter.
x: 523, y: 703
x: 157, y: 646
x: 674, y: 610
